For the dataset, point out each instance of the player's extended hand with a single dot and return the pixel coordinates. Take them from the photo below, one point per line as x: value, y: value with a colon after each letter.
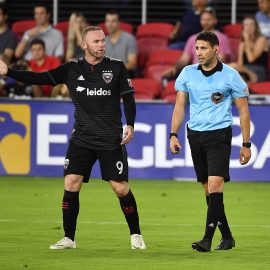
x: 3, y: 68
x: 127, y: 135
x: 175, y: 146
x: 245, y: 154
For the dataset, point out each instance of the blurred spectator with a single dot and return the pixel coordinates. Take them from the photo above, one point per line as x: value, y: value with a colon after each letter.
x: 53, y: 38
x: 252, y: 53
x: 263, y: 18
x: 120, y: 44
x: 41, y: 62
x: 7, y: 37
x: 208, y: 22
x: 188, y: 25
x: 77, y: 23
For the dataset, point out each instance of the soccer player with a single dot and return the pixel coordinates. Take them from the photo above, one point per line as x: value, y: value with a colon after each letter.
x: 96, y: 84
x: 211, y: 87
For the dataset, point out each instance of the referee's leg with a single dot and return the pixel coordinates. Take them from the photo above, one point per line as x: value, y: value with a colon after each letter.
x: 129, y: 209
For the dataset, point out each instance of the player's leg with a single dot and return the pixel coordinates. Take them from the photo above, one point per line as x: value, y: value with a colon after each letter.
x: 77, y: 168
x: 114, y: 168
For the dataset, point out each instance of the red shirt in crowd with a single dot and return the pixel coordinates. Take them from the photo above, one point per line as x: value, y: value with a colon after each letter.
x: 50, y: 62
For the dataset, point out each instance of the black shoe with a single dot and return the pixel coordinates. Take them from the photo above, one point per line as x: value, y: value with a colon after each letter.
x: 203, y: 245
x: 226, y: 244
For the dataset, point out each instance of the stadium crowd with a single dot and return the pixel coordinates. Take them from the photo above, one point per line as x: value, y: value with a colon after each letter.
x: 153, y: 53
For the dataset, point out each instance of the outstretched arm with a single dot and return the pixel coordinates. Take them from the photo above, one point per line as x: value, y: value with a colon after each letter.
x: 28, y: 77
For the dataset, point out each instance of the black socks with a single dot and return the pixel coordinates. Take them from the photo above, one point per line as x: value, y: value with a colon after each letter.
x: 129, y: 208
x: 213, y: 214
x: 70, y: 209
x: 222, y: 222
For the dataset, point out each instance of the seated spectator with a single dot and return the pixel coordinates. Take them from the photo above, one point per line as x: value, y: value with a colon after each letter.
x: 252, y: 53
x: 208, y: 22
x: 263, y: 18
x: 188, y: 25
x: 41, y: 62
x: 7, y: 37
x: 120, y: 44
x: 77, y: 23
x: 53, y: 38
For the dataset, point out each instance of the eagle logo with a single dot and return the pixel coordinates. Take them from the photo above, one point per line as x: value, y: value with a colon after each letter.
x: 107, y: 76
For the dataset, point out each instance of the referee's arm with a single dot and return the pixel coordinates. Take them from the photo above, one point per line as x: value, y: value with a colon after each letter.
x: 242, y: 106
x: 177, y: 120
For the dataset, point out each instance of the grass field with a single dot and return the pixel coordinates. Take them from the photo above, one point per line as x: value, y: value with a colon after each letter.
x: 172, y: 216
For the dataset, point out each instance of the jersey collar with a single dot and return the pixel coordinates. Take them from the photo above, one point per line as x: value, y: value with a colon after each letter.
x: 218, y: 67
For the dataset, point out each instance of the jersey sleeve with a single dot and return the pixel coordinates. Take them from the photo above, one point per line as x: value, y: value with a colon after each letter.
x: 238, y: 86
x: 125, y: 84
x: 180, y: 83
x: 59, y: 75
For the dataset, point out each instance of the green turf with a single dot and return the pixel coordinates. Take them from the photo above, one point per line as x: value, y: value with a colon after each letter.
x: 172, y: 216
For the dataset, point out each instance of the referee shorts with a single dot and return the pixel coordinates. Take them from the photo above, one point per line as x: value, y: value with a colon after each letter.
x: 113, y: 163
x: 211, y: 152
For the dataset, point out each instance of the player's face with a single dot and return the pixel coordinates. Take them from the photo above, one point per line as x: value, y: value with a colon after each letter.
x: 94, y: 44
x: 112, y: 23
x: 38, y: 52
x: 264, y: 5
x: 41, y: 16
x: 205, y: 52
x: 208, y: 22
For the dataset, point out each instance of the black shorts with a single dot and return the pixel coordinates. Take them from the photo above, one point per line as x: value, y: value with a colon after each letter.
x: 113, y: 163
x: 211, y: 152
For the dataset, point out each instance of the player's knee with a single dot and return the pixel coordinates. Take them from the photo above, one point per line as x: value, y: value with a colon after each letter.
x: 120, y: 188
x: 73, y: 182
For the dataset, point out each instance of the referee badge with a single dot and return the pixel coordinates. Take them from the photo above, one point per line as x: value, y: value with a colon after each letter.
x: 107, y: 76
x: 217, y: 97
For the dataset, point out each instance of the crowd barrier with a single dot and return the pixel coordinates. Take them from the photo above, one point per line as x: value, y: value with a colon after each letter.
x: 34, y: 135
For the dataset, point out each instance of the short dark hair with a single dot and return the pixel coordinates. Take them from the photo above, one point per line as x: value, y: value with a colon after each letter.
x: 37, y: 41
x: 209, y: 37
x: 43, y: 4
x: 3, y: 7
x: 90, y: 29
x: 113, y: 12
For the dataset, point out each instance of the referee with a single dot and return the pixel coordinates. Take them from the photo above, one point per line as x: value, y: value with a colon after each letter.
x: 96, y: 84
x: 211, y: 87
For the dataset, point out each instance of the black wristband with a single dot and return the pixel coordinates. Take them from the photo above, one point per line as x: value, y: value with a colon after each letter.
x: 173, y: 134
x: 246, y: 144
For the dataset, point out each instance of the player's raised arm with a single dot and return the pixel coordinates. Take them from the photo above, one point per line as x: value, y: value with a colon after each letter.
x: 51, y: 77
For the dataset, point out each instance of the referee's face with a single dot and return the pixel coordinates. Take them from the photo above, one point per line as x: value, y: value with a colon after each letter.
x: 94, y: 44
x: 205, y: 52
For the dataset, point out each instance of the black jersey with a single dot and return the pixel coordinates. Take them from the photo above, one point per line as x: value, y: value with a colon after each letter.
x: 96, y: 91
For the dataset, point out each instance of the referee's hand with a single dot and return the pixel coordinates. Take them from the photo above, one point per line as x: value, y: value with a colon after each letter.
x: 3, y: 68
x: 175, y: 146
x: 127, y: 135
x: 245, y: 154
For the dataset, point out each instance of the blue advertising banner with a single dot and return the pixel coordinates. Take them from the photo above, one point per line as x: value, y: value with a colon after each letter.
x: 34, y: 135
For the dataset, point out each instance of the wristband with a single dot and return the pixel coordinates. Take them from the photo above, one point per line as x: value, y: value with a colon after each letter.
x: 246, y: 144
x: 173, y: 134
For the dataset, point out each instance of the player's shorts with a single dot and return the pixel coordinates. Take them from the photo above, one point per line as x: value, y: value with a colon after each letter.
x: 211, y: 152
x: 113, y: 163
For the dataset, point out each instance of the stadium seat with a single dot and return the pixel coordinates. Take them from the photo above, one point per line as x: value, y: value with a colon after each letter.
x: 260, y: 88
x: 127, y: 27
x: 20, y: 27
x: 159, y: 61
x: 146, y: 88
x: 151, y: 37
x: 169, y: 92
x: 234, y: 43
x: 233, y: 30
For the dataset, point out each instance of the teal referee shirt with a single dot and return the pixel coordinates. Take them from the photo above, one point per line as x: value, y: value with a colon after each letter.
x: 210, y: 95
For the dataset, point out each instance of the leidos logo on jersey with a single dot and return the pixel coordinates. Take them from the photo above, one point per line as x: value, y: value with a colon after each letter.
x: 15, y: 138
x: 94, y: 92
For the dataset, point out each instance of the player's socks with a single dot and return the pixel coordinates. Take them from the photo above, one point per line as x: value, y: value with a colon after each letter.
x: 129, y: 208
x: 222, y: 223
x: 70, y: 209
x: 213, y: 213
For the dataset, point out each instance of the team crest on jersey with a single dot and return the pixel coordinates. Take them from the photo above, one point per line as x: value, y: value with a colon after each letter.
x: 130, y: 82
x: 217, y: 97
x: 107, y: 76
